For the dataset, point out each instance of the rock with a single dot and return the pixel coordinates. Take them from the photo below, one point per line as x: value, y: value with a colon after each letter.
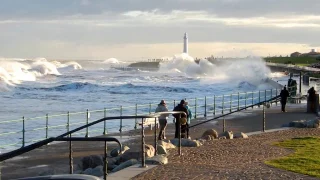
x: 316, y: 123
x: 208, y: 137
x: 115, y: 152
x: 186, y: 142
x: 227, y: 134
x: 150, y: 151
x: 211, y: 132
x: 167, y: 145
x: 125, y: 164
x: 161, y: 149
x: 298, y: 124
x: 91, y: 161
x: 222, y: 137
x: 97, y: 171
x: 87, y: 171
x: 135, y: 153
x: 240, y: 135
x: 47, y: 172
x: 310, y: 124
x: 158, y: 160
x: 77, y: 172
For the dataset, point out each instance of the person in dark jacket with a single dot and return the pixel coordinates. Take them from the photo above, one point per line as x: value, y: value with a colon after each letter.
x: 180, y: 107
x: 312, y: 98
x: 284, y: 94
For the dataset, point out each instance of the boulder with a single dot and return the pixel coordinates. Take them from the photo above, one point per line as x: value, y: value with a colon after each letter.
x: 186, y: 142
x: 135, y: 153
x: 91, y: 161
x: 240, y: 135
x: 211, y: 132
x: 158, y: 160
x: 167, y: 145
x: 125, y: 164
x: 298, y: 124
x: 116, y: 152
x: 208, y: 137
x: 317, y: 123
x: 87, y: 171
x: 222, y: 137
x: 161, y: 149
x: 227, y: 134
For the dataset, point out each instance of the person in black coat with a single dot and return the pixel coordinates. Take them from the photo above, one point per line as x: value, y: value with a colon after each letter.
x: 284, y: 94
x: 180, y: 107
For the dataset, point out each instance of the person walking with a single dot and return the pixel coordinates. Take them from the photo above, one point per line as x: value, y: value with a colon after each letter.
x: 312, y: 98
x: 284, y: 94
x: 162, y: 107
x: 189, y: 112
x: 180, y: 107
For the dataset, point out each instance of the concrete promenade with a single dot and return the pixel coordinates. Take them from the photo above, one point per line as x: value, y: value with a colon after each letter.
x: 220, y: 159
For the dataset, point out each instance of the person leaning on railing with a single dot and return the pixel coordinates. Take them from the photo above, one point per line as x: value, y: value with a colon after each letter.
x: 178, y: 117
x: 162, y: 107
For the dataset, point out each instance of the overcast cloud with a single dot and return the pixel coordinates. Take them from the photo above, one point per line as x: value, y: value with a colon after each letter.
x: 96, y: 29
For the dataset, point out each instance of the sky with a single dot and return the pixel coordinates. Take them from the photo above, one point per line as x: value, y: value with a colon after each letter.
x: 140, y: 29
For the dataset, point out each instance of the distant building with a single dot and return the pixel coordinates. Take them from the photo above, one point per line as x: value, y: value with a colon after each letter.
x: 295, y: 54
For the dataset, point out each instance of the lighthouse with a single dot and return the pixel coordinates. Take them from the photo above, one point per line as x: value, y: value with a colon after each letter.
x: 185, y: 43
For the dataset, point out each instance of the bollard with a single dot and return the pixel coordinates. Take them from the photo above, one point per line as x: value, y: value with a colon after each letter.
x: 120, y: 130
x: 143, y: 155
x: 214, y: 105
x: 23, y: 132
x: 205, y: 106
x: 264, y: 118
x: 105, y: 164
x: 104, y: 122
x: 47, y: 128
x: 224, y: 125
x: 155, y: 137
x: 195, y: 108
x: 238, y: 101
x: 70, y: 156
x: 136, y: 121
x: 230, y: 102
x: 87, y: 128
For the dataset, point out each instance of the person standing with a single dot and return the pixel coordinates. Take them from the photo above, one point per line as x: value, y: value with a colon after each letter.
x: 189, y: 112
x: 162, y: 107
x: 180, y: 107
x: 284, y: 94
x: 312, y: 98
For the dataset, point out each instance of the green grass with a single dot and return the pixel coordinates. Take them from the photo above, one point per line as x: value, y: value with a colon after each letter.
x: 292, y: 60
x: 305, y: 159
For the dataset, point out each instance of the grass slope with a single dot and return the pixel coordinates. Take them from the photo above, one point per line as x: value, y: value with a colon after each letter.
x: 305, y: 160
x: 292, y: 60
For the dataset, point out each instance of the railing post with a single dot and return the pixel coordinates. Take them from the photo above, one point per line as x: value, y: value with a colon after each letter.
x: 205, y: 106
x: 120, y: 130
x: 87, y: 122
x: 245, y: 100
x: 276, y: 95
x: 23, y: 132
x: 230, y: 102
x: 0, y: 170
x: 47, y: 126
x: 149, y: 108
x: 265, y: 95
x: 105, y: 164
x: 224, y: 125
x: 179, y: 136
x: 155, y: 136
x: 143, y: 155
x: 105, y: 122
x: 252, y: 100
x: 238, y: 101
x: 214, y: 105
x: 68, y: 121
x: 195, y: 108
x: 174, y: 103
x: 259, y: 99
x: 135, y: 119
x: 264, y: 118
x: 270, y: 96
x: 70, y: 156
x: 222, y: 104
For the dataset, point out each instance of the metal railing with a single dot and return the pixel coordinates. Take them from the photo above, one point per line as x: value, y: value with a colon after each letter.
x: 39, y: 128
x: 68, y: 137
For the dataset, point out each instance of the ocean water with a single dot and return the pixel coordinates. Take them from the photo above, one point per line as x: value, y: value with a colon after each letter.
x: 34, y: 88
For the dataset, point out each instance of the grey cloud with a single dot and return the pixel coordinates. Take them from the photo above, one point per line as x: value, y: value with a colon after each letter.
x: 38, y: 9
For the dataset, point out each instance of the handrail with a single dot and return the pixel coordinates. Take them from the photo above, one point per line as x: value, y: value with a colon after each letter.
x: 262, y: 102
